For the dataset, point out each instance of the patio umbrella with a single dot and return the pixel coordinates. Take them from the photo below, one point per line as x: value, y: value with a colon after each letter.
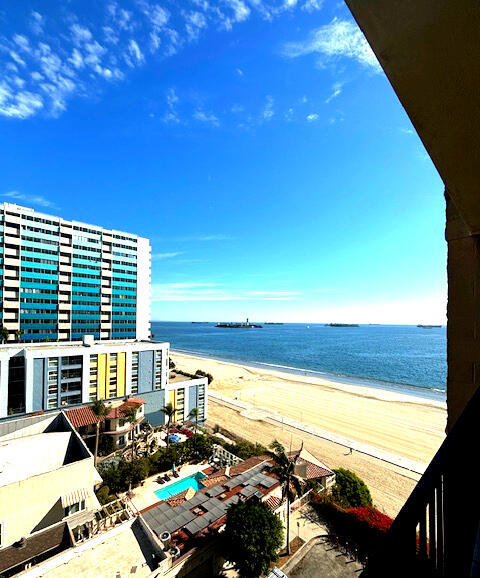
x: 174, y: 468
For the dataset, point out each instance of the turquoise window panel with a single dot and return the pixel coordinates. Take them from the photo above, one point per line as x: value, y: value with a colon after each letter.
x: 51, y: 266
x: 123, y: 292
x: 125, y: 275
x: 84, y: 280
x: 39, y: 336
x: 85, y: 289
x: 115, y: 267
x: 26, y: 325
x: 126, y: 309
x: 79, y: 271
x: 47, y: 236
x: 77, y: 261
x: 38, y: 296
x: 94, y: 318
x: 77, y: 335
x: 125, y: 318
x: 35, y: 275
x: 132, y: 284
x: 86, y: 253
x: 33, y: 285
x: 121, y: 334
x: 38, y: 245
x: 119, y: 301
x: 27, y: 317
x: 38, y: 305
x: 76, y: 307
x: 34, y: 255
x: 80, y: 298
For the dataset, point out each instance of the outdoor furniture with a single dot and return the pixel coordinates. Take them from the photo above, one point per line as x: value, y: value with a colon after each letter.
x: 167, y: 478
x: 175, y: 475
x: 160, y: 480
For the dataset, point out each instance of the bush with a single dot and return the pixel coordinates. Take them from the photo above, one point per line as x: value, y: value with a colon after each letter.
x: 245, y: 450
x: 105, y: 445
x: 349, y: 490
x: 202, y: 373
x: 363, y: 527
x: 104, y: 496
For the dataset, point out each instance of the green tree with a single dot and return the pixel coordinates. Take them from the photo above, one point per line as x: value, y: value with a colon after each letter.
x: 194, y: 413
x: 349, y: 490
x: 284, y: 468
x: 3, y: 333
x: 252, y: 538
x: 169, y: 412
x: 197, y: 448
x: 130, y: 416
x: 100, y: 410
x: 18, y: 334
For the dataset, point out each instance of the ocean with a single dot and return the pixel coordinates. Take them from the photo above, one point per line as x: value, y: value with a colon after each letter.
x: 400, y: 357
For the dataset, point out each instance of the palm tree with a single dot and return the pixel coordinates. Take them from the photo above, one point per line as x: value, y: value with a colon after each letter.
x: 169, y: 412
x: 100, y: 410
x: 3, y: 333
x: 284, y: 468
x: 18, y: 334
x: 130, y: 416
x: 194, y: 413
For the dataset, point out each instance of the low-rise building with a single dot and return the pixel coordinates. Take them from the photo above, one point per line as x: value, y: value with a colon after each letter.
x: 115, y: 424
x: 48, y: 376
x: 47, y: 482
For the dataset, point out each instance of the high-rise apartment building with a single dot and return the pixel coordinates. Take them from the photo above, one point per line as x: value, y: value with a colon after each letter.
x: 60, y: 280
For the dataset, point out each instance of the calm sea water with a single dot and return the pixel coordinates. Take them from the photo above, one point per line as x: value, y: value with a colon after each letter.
x: 406, y: 358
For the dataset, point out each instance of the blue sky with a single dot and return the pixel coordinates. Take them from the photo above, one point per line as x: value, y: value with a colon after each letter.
x: 258, y: 144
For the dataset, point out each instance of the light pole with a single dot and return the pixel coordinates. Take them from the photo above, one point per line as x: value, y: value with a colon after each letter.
x: 298, y: 529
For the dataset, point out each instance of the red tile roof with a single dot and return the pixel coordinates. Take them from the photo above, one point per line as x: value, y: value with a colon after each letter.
x: 82, y: 416
x: 313, y: 470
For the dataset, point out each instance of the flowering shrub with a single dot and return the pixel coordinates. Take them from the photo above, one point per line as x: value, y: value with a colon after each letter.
x: 372, y: 517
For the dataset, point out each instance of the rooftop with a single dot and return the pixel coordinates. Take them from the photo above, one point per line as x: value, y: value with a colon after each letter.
x: 186, y: 519
x: 22, y: 458
x: 7, y: 347
x: 84, y: 416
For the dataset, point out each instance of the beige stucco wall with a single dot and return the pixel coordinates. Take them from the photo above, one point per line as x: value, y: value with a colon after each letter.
x: 34, y: 503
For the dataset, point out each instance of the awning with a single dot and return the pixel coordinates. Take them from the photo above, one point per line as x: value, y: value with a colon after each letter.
x: 75, y: 496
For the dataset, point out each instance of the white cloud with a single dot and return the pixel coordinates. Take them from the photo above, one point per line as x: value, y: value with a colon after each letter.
x: 406, y: 130
x: 185, y: 292
x: 339, y: 39
x: 135, y: 52
x: 336, y: 91
x: 312, y: 117
x: 171, y: 115
x: 194, y: 22
x: 162, y: 256
x: 36, y: 22
x: 312, y: 5
x: 268, y: 111
x: 207, y: 117
x: 43, y: 70
x: 32, y: 199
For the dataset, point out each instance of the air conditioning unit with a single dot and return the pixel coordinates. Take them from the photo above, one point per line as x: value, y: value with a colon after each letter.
x: 165, y: 539
x: 174, y: 552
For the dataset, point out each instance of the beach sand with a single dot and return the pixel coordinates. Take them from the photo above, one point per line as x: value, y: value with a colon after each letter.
x: 408, y: 426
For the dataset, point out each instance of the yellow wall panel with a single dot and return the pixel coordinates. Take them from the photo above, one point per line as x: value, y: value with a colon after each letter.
x: 107, y: 374
x: 101, y: 376
x: 172, y: 398
x: 120, y: 374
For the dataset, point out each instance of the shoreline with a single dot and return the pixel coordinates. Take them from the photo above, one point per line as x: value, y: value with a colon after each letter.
x: 394, y: 423
x: 384, y: 391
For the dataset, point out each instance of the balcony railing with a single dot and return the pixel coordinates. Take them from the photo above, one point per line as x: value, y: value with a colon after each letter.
x: 435, y: 533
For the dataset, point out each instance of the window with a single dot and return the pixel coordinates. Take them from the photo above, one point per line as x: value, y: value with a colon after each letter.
x: 1, y: 528
x: 74, y: 508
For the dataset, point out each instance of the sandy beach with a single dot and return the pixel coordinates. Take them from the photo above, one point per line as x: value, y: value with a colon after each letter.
x: 408, y: 426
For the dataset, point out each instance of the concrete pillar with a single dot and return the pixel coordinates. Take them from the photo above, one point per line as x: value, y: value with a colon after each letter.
x: 463, y: 312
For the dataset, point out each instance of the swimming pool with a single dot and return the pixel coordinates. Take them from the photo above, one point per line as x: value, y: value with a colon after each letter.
x: 193, y: 481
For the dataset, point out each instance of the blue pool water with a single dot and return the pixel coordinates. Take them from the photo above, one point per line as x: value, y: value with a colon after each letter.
x: 193, y: 481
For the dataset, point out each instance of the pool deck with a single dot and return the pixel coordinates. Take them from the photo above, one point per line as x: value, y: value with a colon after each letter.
x: 144, y: 496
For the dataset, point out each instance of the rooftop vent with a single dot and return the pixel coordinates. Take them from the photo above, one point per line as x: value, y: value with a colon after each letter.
x: 88, y: 340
